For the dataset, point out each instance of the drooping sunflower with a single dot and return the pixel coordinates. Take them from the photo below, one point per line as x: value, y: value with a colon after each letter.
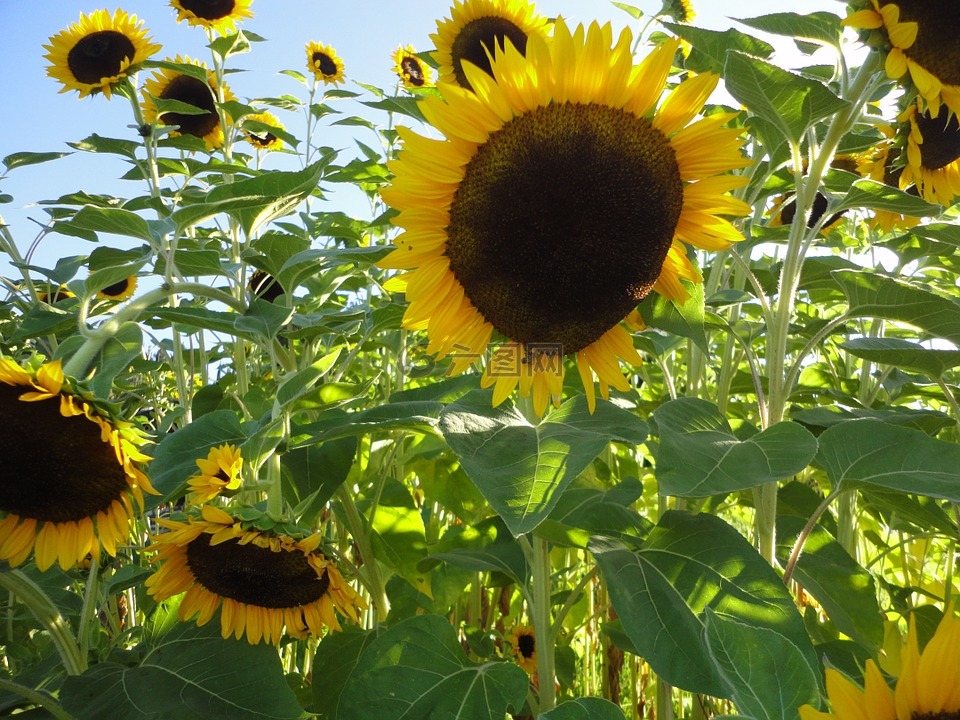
x: 119, y: 290
x: 412, y: 70
x: 523, y: 645
x: 264, y: 285
x: 70, y: 479
x: 928, y: 687
x: 560, y: 198
x: 256, y: 129
x: 264, y: 583
x: 923, y: 39
x: 167, y: 84
x: 98, y: 51
x: 218, y: 15
x: 325, y: 64
x: 474, y: 31
x: 219, y: 472
x: 933, y: 155
x: 879, y: 164
x: 680, y: 10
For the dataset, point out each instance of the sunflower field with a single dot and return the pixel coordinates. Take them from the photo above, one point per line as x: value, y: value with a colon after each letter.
x: 627, y: 390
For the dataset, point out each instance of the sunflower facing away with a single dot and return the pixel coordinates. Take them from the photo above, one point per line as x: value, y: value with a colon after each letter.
x: 119, y: 290
x: 928, y: 687
x: 98, y: 51
x: 70, y: 478
x: 167, y: 84
x: 219, y: 472
x: 560, y: 198
x: 523, y: 645
x: 412, y: 70
x: 474, y: 31
x: 264, y: 285
x: 878, y: 163
x: 256, y: 129
x: 325, y: 64
x: 933, y: 155
x: 680, y: 10
x: 262, y: 582
x: 55, y: 296
x: 923, y: 39
x: 217, y: 15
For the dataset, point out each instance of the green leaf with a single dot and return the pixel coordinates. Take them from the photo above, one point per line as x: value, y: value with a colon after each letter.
x: 904, y: 354
x: 823, y: 27
x: 791, y: 102
x: 485, y: 546
x: 710, y: 46
x: 192, y: 263
x: 316, y: 472
x: 113, y: 146
x: 522, y: 469
x: 399, y: 538
x: 897, y: 458
x: 114, y: 221
x: 930, y: 421
x: 877, y: 196
x: 634, y: 12
x: 585, y: 708
x: 115, y: 272
x: 263, y: 318
x: 227, y: 45
x: 115, y: 357
x: 300, y: 382
x: 685, y: 320
x: 339, y: 650
x: 767, y: 675
x: 687, y: 564
x: 420, y: 416
x: 583, y: 512
x: 194, y: 319
x: 417, y: 669
x: 22, y: 159
x: 699, y: 454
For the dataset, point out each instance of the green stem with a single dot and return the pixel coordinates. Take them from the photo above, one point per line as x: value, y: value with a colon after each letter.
x: 373, y: 581
x: 275, y: 491
x: 542, y: 625
x: 805, y: 533
x: 41, y: 699
x: 90, y: 595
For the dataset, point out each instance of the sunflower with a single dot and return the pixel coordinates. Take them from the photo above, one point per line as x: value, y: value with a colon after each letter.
x: 680, y: 10
x: 169, y: 84
x: 523, y: 645
x: 474, y: 31
x: 262, y: 582
x: 98, y: 51
x: 70, y: 471
x: 923, y: 39
x: 933, y: 155
x: 55, y: 296
x: 217, y: 15
x: 219, y: 472
x: 879, y: 164
x: 412, y: 70
x: 786, y: 210
x: 325, y: 64
x: 558, y: 201
x: 263, y: 285
x: 261, y: 137
x: 928, y: 687
x: 119, y: 290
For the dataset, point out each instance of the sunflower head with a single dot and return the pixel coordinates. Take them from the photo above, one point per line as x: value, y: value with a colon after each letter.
x: 257, y: 130
x: 217, y: 15
x: 56, y: 295
x: 881, y: 164
x: 412, y: 71
x: 679, y: 10
x: 265, y: 583
x: 168, y: 84
x: 556, y: 272
x: 263, y: 285
x: 523, y: 646
x: 933, y: 155
x: 325, y: 64
x: 476, y: 29
x: 76, y: 478
x: 119, y: 290
x: 98, y: 51
x: 219, y: 474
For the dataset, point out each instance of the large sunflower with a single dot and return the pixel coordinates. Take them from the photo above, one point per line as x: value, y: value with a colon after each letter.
x: 523, y: 645
x: 219, y: 472
x: 167, y: 84
x: 923, y: 39
x: 98, y: 51
x: 412, y: 70
x: 474, y: 31
x: 325, y: 64
x: 928, y: 687
x: 561, y: 197
x: 218, y: 15
x: 70, y: 480
x: 933, y: 155
x: 262, y: 582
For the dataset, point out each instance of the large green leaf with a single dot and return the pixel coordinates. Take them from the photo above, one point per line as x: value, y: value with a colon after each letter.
x: 682, y: 319
x: 114, y: 221
x: 338, y: 652
x: 22, y: 159
x: 699, y: 454
x: 904, y: 354
x: 898, y: 458
x: 878, y: 196
x: 687, y: 564
x: 520, y: 468
x: 485, y: 546
x: 822, y: 27
x: 586, y: 511
x: 418, y: 415
x: 710, y: 46
x: 585, y: 708
x: 418, y: 669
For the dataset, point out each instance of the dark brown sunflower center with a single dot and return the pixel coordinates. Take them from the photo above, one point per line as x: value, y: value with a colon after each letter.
x: 941, y: 140
x: 254, y: 575
x: 118, y: 288
x: 194, y: 92
x: 55, y: 468
x: 99, y: 55
x: 324, y: 63
x: 562, y: 221
x: 412, y: 71
x: 209, y: 9
x: 526, y: 644
x: 480, y: 36
x: 938, y: 24
x: 262, y: 139
x: 954, y: 715
x: 265, y: 286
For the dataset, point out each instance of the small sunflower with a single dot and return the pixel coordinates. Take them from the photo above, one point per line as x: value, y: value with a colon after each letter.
x: 923, y: 39
x: 263, y: 285
x: 261, y: 137
x: 219, y: 472
x: 523, y: 645
x: 71, y: 477
x: 325, y: 64
x: 217, y: 15
x: 928, y: 687
x: 933, y: 155
x: 785, y: 210
x: 98, y: 51
x: 119, y: 290
x: 474, y: 31
x: 558, y: 201
x: 262, y: 582
x: 680, y: 10
x: 879, y: 164
x: 172, y: 85
x: 412, y: 70
x: 55, y: 296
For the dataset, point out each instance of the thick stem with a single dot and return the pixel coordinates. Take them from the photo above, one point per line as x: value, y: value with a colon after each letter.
x: 90, y: 596
x: 542, y: 625
x: 41, y: 699
x: 373, y: 581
